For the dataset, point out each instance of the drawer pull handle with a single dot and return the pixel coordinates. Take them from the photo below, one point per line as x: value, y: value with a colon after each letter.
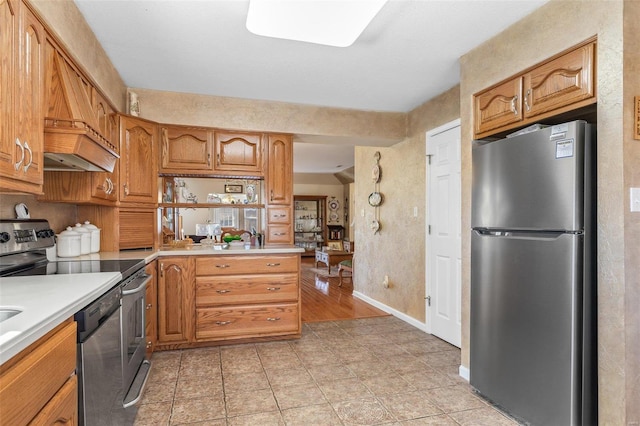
x: 223, y: 322
x: 222, y: 266
x: 148, y: 345
x: 273, y: 319
x: 273, y: 264
x: 222, y: 291
x: 279, y: 234
x: 149, y: 306
x: 273, y: 288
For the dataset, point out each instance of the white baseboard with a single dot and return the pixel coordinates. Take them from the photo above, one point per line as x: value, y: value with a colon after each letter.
x: 463, y: 371
x: 388, y: 309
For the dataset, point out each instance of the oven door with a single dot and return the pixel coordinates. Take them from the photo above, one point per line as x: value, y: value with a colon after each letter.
x: 133, y: 335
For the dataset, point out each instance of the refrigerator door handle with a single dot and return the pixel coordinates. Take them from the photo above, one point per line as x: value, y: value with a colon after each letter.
x: 533, y: 235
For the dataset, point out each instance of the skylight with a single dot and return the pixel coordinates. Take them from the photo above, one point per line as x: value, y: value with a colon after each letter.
x: 336, y: 23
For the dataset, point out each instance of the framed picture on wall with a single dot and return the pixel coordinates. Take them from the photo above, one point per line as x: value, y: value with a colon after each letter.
x: 233, y: 189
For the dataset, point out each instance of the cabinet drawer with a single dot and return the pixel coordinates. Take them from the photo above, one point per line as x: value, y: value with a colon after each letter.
x: 244, y: 289
x: 279, y: 215
x: 279, y: 234
x: 236, y: 265
x: 62, y: 409
x: 27, y: 385
x: 246, y: 321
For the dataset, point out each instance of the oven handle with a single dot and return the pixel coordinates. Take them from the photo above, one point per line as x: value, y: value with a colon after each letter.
x: 137, y: 289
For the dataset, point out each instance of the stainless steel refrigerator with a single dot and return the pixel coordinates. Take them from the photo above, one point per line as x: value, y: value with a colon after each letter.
x: 533, y: 281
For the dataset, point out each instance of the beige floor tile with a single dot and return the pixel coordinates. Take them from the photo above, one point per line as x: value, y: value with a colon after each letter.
x: 363, y: 412
x: 435, y: 359
x: 242, y: 382
x: 344, y: 390
x: 407, y: 406
x: 299, y: 396
x: 429, y: 380
x: 454, y: 398
x: 388, y: 350
x: 197, y: 369
x: 274, y: 348
x: 190, y: 387
x: 197, y: 410
x: 294, y: 377
x: 241, y: 365
x: 273, y: 418
x: 324, y: 373
x: 251, y: 402
x: 238, y: 351
x: 216, y: 422
x: 387, y: 384
x: 406, y: 363
x: 357, y: 354
x: 311, y: 415
x: 369, y: 369
x: 153, y: 414
x: 163, y: 373
x: 452, y: 372
x: 441, y: 420
x: 486, y: 416
x: 155, y: 392
x: 289, y: 360
x: 319, y: 357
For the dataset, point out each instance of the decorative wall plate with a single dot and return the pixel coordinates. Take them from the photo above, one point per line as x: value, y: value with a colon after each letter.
x: 375, y: 226
x: 334, y: 205
x: 333, y: 217
x: 376, y: 173
x: 375, y: 199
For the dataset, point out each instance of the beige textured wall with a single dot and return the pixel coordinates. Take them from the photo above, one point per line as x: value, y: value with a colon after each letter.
x: 632, y: 220
x: 59, y: 215
x: 398, y: 250
x: 554, y: 27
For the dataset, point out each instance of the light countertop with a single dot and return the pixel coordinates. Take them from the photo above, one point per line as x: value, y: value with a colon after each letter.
x: 45, y: 301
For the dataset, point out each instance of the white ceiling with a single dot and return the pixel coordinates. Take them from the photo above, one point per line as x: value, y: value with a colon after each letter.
x: 406, y: 56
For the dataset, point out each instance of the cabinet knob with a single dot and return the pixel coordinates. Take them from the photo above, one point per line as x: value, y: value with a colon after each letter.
x: 149, y: 306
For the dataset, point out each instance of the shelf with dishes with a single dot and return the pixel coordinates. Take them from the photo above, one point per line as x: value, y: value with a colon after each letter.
x: 309, y: 215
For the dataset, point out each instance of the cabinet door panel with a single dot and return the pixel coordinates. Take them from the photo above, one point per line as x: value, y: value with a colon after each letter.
x: 280, y: 178
x: 138, y: 167
x: 151, y: 298
x: 498, y: 106
x: 137, y: 228
x: 175, y: 299
x: 243, y: 289
x: 563, y: 81
x: 238, y: 152
x: 185, y: 149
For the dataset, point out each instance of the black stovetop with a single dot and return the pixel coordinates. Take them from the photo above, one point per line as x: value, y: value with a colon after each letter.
x: 125, y: 266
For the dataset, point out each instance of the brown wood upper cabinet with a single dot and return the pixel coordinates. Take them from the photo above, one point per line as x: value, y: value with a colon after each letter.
x: 138, y: 166
x: 562, y: 83
x: 238, y: 152
x: 21, y: 125
x: 186, y: 150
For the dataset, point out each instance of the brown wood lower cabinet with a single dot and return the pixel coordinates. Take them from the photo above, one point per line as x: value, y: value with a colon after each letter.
x: 39, y: 384
x: 228, y: 298
x: 151, y: 309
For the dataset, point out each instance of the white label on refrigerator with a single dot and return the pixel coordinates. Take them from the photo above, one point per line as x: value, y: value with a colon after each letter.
x: 559, y: 130
x: 564, y: 148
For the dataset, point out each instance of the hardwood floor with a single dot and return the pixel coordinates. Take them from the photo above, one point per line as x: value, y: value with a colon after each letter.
x: 323, y: 300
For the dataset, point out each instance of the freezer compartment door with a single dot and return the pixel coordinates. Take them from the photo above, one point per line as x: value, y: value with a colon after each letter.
x: 525, y: 343
x: 532, y: 181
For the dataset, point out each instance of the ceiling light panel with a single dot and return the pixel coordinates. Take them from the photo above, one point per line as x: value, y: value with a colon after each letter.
x: 330, y: 22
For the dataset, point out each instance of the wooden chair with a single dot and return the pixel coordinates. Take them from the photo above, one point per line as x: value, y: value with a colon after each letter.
x: 345, y: 265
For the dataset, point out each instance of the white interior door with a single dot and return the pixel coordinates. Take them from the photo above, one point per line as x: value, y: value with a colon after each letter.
x: 443, y: 241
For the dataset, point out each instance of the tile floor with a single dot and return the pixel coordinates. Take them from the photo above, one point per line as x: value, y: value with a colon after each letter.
x: 353, y: 372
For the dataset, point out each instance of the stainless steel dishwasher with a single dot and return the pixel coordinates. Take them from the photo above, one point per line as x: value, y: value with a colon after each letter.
x: 101, y: 391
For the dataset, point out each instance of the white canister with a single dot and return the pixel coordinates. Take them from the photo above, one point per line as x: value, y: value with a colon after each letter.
x: 68, y: 243
x: 85, y: 239
x: 95, y: 236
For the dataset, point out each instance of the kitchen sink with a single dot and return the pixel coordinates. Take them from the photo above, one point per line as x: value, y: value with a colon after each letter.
x: 6, y: 313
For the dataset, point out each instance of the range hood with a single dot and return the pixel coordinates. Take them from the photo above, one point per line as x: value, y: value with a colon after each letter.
x: 73, y: 139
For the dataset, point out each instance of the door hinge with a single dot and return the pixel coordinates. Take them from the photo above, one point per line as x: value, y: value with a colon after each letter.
x: 429, y: 229
x: 428, y: 299
x: 429, y: 158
